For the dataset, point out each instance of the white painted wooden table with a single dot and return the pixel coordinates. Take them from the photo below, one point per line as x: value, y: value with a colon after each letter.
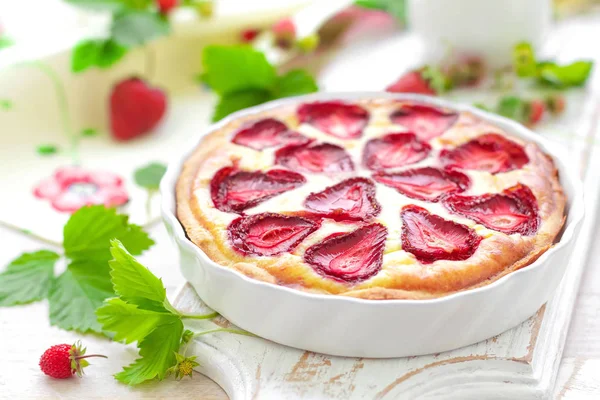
x: 25, y: 334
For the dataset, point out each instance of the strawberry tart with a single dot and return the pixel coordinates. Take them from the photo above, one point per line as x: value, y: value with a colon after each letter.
x: 376, y: 199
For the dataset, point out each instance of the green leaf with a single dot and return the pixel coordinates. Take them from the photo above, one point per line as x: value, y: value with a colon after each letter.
x: 436, y: 79
x: 157, y: 351
x: 96, y: 53
x: 294, y: 83
x: 77, y: 293
x: 512, y: 107
x: 524, y: 61
x: 150, y: 175
x: 99, y: 5
x: 564, y: 76
x: 27, y: 278
x: 6, y: 104
x: 47, y: 149
x: 88, y: 232
x: 130, y: 323
x: 89, y: 132
x: 232, y: 102
x: 229, y: 69
x: 131, y: 279
x: 5, y: 42
x: 135, y: 28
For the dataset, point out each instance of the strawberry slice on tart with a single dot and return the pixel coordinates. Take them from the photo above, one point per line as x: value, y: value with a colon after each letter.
x: 490, y: 152
x: 314, y: 158
x: 269, y: 234
x: 430, y: 237
x: 425, y: 121
x: 234, y: 190
x: 394, y: 150
x: 515, y: 210
x: 352, y: 199
x: 336, y: 118
x: 265, y: 133
x: 427, y: 183
x: 349, y: 257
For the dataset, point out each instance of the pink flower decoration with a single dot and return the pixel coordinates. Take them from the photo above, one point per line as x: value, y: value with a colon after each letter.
x: 73, y: 187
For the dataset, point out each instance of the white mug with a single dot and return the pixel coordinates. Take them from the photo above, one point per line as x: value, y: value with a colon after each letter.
x: 489, y: 28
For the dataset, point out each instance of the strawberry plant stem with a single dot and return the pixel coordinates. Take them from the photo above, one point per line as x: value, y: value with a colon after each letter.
x: 205, y: 316
x: 238, y: 331
x: 63, y: 106
x: 91, y: 355
x: 32, y: 235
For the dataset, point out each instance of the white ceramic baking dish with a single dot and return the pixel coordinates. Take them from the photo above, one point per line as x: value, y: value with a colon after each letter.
x: 347, y: 326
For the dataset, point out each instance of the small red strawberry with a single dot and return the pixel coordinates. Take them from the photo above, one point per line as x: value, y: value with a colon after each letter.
x: 285, y: 32
x: 411, y: 82
x: 166, y: 6
x: 135, y: 108
x: 64, y: 360
x: 555, y: 103
x: 248, y: 35
x: 535, y: 112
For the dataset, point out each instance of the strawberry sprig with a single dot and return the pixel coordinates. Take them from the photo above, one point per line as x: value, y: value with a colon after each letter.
x: 74, y: 294
x: 142, y: 313
x: 133, y: 24
x: 242, y: 77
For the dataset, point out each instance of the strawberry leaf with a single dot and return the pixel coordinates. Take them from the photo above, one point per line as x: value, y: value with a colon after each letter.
x: 229, y: 69
x: 564, y: 76
x: 243, y: 78
x: 129, y: 322
x: 77, y: 293
x: 236, y: 101
x: 81, y: 289
x: 150, y: 175
x: 134, y: 28
x: 27, y: 278
x: 96, y: 53
x: 157, y: 351
x: 131, y: 279
x: 88, y: 232
x: 295, y: 83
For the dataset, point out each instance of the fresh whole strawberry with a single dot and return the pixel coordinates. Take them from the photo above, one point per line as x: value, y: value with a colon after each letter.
x: 64, y: 360
x: 535, y: 113
x: 411, y: 82
x: 135, y: 108
x: 166, y: 6
x: 248, y: 35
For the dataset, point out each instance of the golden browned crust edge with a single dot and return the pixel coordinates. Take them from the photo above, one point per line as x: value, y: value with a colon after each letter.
x: 202, y: 237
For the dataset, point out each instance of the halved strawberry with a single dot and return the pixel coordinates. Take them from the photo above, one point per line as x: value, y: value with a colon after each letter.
x: 233, y: 190
x: 427, y: 183
x: 430, y: 237
x: 515, y: 210
x: 266, y: 133
x: 394, y: 150
x: 268, y: 234
x: 349, y: 257
x: 342, y: 120
x: 426, y: 122
x: 352, y: 199
x: 489, y: 152
x: 324, y: 157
